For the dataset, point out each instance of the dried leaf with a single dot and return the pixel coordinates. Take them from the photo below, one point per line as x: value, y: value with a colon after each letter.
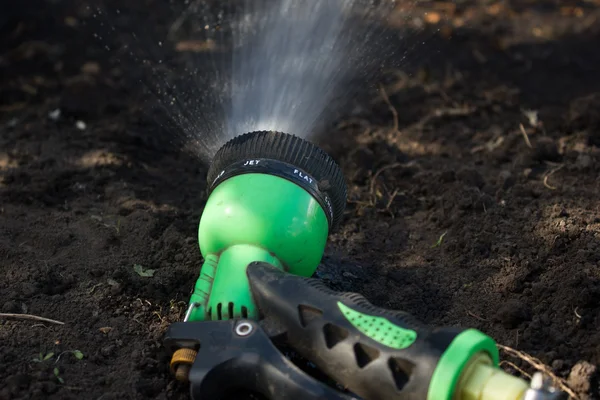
x: 432, y: 17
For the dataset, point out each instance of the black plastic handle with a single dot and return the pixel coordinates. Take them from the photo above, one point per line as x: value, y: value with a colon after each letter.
x: 375, y: 353
x: 228, y: 363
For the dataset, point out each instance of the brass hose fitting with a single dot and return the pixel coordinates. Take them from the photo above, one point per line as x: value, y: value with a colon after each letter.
x: 181, y: 362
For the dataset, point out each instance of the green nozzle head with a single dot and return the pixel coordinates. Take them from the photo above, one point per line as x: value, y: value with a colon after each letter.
x: 273, y: 197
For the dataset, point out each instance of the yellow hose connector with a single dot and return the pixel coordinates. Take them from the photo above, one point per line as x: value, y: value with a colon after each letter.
x: 482, y: 381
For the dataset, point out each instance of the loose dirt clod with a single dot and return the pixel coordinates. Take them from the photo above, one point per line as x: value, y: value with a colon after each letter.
x: 583, y: 378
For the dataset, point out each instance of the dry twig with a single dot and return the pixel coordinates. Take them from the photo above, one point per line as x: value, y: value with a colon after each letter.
x: 477, y: 316
x: 392, y: 108
x: 379, y: 172
x: 392, y: 197
x: 549, y: 174
x: 540, y: 366
x: 525, y: 136
x: 512, y: 365
x: 31, y: 318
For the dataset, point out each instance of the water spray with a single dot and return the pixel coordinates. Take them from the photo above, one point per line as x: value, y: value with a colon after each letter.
x: 273, y: 200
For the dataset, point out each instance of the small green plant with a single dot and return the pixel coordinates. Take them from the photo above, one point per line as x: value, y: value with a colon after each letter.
x: 440, y: 240
x: 57, y: 375
x: 42, y: 357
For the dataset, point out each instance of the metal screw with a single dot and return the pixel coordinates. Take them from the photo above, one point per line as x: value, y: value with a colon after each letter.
x: 540, y: 388
x: 244, y: 329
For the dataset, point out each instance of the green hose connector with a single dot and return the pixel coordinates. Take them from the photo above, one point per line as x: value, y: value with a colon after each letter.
x: 468, y: 370
x: 247, y: 218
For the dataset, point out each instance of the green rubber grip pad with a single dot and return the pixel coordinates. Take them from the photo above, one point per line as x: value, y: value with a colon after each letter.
x: 379, y: 328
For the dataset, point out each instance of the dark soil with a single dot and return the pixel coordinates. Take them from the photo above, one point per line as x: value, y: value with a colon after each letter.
x: 456, y: 216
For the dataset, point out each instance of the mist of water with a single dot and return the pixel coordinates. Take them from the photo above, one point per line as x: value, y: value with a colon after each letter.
x: 292, y: 60
x: 240, y: 66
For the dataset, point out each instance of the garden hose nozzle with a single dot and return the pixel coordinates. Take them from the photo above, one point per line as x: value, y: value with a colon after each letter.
x: 273, y: 197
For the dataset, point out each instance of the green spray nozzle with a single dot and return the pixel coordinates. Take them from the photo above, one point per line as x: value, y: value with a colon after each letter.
x: 273, y: 200
x: 273, y: 197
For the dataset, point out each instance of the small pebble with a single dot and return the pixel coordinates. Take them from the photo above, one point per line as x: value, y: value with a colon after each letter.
x: 581, y: 376
x: 54, y: 114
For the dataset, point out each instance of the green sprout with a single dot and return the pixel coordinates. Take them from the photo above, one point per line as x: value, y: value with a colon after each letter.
x: 57, y: 375
x: 42, y: 357
x: 439, y: 241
